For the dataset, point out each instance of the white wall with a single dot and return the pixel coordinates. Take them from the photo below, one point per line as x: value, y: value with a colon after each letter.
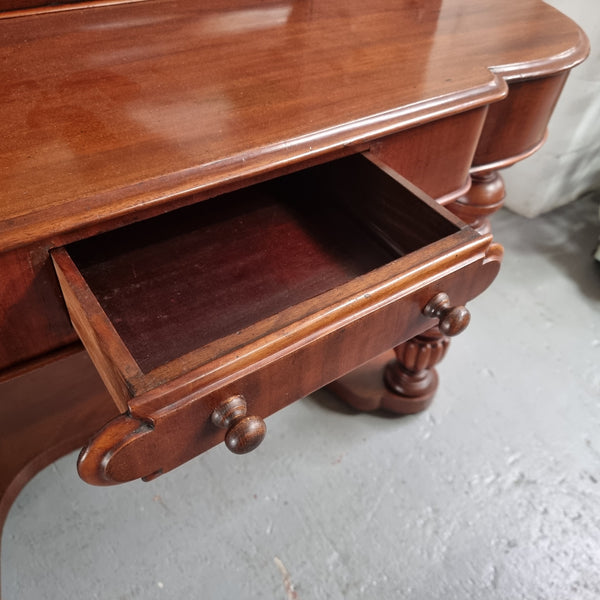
x: 568, y: 164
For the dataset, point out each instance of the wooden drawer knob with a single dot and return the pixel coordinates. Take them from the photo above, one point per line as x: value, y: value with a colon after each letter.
x: 244, y: 432
x: 453, y: 319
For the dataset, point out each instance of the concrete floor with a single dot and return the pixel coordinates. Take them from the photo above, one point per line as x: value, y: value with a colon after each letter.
x: 494, y: 493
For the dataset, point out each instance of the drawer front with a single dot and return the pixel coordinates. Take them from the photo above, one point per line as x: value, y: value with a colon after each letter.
x: 266, y: 294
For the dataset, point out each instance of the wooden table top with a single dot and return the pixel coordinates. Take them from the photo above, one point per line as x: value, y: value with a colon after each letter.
x: 106, y: 109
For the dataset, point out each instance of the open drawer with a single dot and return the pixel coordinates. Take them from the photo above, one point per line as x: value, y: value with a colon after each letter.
x: 248, y: 301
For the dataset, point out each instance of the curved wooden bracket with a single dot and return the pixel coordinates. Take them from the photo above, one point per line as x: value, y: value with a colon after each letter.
x: 117, y: 453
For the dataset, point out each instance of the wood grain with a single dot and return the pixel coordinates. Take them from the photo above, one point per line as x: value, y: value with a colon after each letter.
x: 128, y: 109
x: 33, y: 317
x: 21, y: 5
x: 118, y: 369
x: 516, y: 126
x: 44, y: 414
x: 113, y: 112
x: 429, y: 156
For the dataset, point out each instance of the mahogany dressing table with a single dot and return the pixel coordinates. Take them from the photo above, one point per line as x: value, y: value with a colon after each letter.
x: 228, y: 204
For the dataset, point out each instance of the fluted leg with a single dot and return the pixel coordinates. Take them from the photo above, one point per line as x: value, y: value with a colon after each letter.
x: 402, y: 381
x: 411, y: 376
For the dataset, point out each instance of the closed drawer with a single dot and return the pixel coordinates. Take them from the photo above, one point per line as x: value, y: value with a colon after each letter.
x: 267, y: 293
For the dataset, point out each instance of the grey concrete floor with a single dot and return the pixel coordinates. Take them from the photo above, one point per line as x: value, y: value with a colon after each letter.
x: 494, y: 493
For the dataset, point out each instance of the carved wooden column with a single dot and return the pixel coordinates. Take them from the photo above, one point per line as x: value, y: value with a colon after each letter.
x: 411, y: 376
x: 403, y: 381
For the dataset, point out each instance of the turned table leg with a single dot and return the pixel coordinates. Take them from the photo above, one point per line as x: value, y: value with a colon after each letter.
x: 484, y: 198
x: 404, y: 380
x: 411, y: 378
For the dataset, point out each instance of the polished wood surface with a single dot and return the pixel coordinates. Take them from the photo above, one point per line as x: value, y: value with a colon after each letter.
x: 404, y: 381
x: 516, y: 127
x: 112, y: 113
x: 17, y: 7
x: 115, y: 112
x: 407, y: 383
x: 429, y: 157
x: 134, y: 105
x: 33, y: 319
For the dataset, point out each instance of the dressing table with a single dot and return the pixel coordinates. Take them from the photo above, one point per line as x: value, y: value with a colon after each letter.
x: 210, y: 210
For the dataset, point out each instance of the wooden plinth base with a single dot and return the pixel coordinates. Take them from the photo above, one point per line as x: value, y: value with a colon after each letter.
x: 365, y: 389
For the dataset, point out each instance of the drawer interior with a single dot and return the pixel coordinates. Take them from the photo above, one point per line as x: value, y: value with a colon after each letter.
x: 210, y: 271
x: 187, y: 279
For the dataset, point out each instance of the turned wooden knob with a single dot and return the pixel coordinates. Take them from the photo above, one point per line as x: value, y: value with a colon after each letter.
x: 453, y: 319
x: 244, y: 433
